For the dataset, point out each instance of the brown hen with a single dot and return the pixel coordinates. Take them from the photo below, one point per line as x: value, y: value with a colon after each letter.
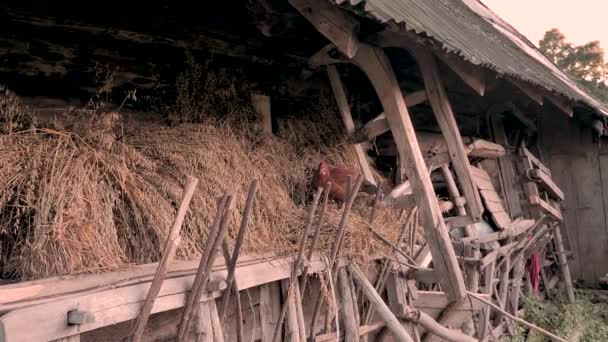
x: 338, y: 176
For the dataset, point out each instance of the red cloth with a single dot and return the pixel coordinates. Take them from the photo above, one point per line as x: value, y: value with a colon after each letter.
x: 533, y: 268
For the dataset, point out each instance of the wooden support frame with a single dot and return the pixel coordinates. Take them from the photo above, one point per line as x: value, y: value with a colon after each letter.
x: 341, y: 99
x: 379, y: 125
x: 442, y: 109
x: 378, y: 69
x: 336, y: 25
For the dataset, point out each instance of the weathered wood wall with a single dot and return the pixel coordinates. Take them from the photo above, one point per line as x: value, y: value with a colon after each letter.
x: 579, y: 164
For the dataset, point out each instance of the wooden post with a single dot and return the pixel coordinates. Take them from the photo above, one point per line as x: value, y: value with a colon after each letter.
x: 484, y: 322
x: 218, y: 333
x: 503, y: 288
x: 518, y: 272
x: 270, y: 308
x: 378, y: 69
x: 340, y: 95
x: 203, y: 326
x: 347, y: 312
x: 447, y: 122
x: 292, y: 332
x: 171, y: 245
x: 383, y: 311
x: 261, y: 105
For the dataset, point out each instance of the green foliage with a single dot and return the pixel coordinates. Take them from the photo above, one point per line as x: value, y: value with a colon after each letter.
x: 585, y: 63
x: 584, y: 321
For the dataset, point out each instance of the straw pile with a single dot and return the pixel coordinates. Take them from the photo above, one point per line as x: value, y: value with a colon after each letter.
x: 85, y: 198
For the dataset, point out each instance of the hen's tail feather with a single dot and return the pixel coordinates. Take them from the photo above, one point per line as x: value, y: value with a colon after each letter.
x: 368, y: 187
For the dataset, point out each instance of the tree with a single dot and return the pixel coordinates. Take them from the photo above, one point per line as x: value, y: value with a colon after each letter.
x: 585, y: 63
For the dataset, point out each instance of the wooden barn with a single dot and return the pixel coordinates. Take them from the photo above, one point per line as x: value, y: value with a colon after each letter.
x: 471, y: 172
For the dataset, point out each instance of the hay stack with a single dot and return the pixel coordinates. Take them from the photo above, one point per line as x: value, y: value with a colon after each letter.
x: 82, y: 200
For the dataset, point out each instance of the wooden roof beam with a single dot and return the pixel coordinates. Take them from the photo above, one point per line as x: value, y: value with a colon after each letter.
x: 468, y: 73
x: 377, y: 67
x: 336, y: 25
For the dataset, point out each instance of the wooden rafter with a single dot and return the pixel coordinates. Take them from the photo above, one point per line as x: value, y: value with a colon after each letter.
x: 336, y: 25
x: 449, y: 128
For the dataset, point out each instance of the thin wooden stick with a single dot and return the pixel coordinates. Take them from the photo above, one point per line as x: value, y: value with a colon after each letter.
x: 240, y: 337
x: 298, y: 263
x: 384, y: 272
x: 372, y: 214
x: 434, y: 327
x: 232, y: 261
x: 336, y: 248
x: 315, y: 239
x: 383, y: 310
x: 202, y: 275
x: 342, y: 229
x: 394, y: 247
x: 171, y: 244
x: 517, y: 319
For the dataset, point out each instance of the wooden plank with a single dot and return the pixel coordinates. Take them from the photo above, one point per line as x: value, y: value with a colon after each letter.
x: 493, y: 197
x: 485, y: 149
x: 528, y: 91
x: 336, y: 25
x: 469, y: 74
x: 203, y: 326
x: 218, y: 333
x: 347, y: 312
x: 379, y: 124
x: 449, y: 128
x: 341, y: 99
x: 507, y: 172
x: 488, y: 289
x: 114, y: 305
x: 292, y: 326
x: 549, y: 209
x: 270, y: 308
x: 547, y: 183
x: 73, y: 338
x: 524, y: 152
x: 378, y: 69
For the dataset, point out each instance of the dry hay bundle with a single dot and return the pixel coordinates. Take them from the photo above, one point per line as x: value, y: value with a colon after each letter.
x: 88, y: 201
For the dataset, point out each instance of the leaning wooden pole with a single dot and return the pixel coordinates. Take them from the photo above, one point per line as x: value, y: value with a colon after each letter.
x: 340, y: 233
x: 315, y: 239
x: 563, y: 263
x: 237, y: 248
x: 169, y: 250
x: 204, y: 270
x: 297, y: 265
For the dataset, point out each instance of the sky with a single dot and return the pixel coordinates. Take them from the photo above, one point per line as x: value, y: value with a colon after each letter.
x: 580, y: 20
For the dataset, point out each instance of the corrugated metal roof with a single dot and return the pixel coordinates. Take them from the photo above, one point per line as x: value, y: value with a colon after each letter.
x: 469, y: 29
